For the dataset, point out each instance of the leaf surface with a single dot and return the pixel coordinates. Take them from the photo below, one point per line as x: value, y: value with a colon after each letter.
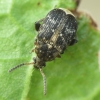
x: 73, y: 77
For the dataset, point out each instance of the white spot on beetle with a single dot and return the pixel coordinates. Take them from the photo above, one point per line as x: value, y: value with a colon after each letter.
x: 60, y: 35
x: 44, y: 38
x: 51, y: 43
x: 53, y: 30
x: 63, y: 39
x: 55, y: 46
x: 49, y: 46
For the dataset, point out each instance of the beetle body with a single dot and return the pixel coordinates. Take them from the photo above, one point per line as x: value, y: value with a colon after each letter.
x: 55, y: 34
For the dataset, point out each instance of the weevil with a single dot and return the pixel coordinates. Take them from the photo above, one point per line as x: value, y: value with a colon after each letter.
x: 56, y: 32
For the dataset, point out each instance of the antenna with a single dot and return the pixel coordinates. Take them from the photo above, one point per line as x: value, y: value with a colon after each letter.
x: 41, y: 71
x: 20, y: 66
x: 44, y: 81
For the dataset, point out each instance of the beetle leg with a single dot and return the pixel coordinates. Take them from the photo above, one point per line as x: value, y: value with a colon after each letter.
x: 73, y: 42
x: 32, y: 50
x: 58, y: 56
x: 35, y: 43
x: 37, y: 24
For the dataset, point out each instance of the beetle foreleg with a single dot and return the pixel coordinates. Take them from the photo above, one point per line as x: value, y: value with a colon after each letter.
x: 37, y: 24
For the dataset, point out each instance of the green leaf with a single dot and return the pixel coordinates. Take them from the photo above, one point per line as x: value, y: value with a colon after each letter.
x: 73, y: 77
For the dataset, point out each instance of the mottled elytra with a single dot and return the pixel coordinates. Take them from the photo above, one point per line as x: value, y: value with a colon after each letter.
x: 56, y: 32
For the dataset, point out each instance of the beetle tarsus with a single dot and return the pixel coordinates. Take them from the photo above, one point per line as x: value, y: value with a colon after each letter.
x: 37, y: 24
